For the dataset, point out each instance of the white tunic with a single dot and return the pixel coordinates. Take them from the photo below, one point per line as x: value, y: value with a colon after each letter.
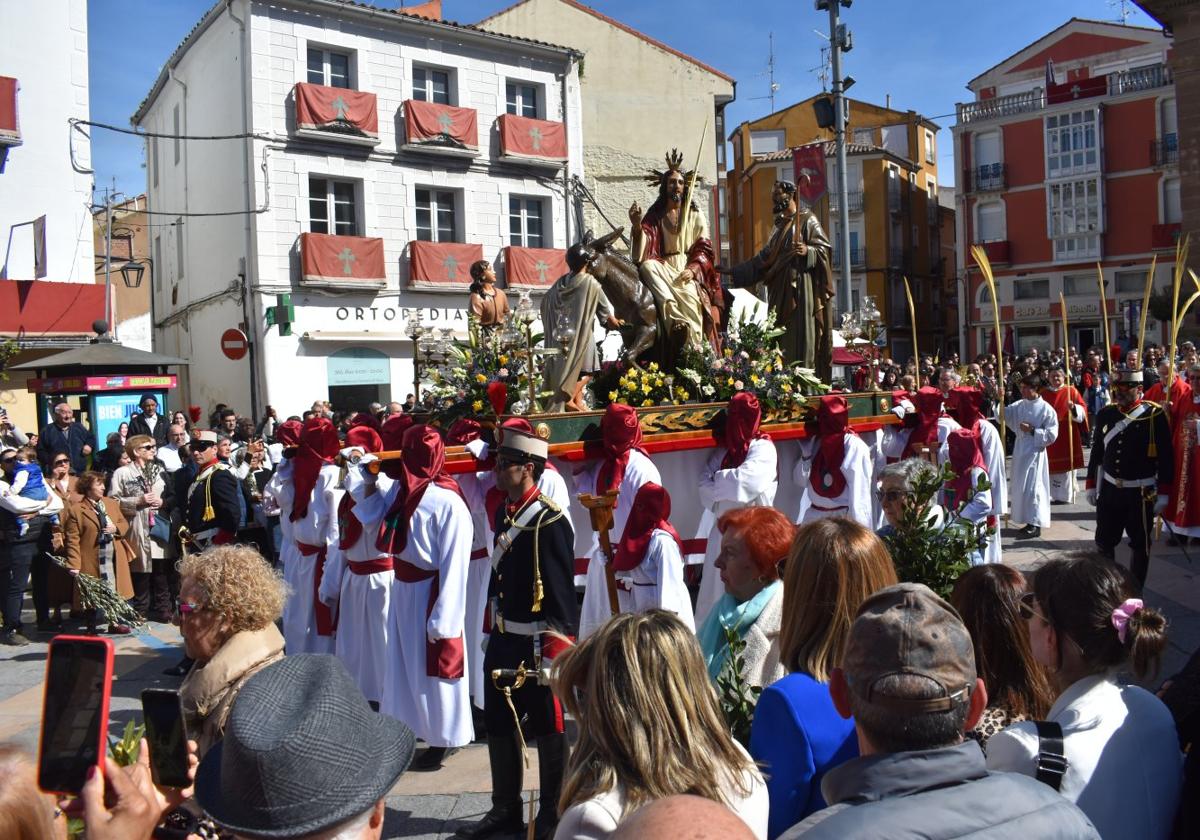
x: 993, y: 456
x: 657, y: 582
x: 751, y: 484
x: 318, y: 527
x: 439, y: 541
x: 363, y: 600
x: 1031, y: 466
x: 855, y: 499
x: 638, y: 470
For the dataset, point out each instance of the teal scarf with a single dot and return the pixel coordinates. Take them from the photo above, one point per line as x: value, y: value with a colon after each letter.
x: 729, y: 613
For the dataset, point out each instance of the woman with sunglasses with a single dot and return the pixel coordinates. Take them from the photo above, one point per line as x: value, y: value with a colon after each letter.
x: 145, y: 496
x: 1124, y: 768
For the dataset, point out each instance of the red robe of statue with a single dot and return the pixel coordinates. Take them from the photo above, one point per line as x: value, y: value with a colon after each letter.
x: 1183, y: 503
x: 1066, y: 453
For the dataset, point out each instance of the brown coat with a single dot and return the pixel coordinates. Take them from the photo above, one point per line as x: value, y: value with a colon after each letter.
x: 81, y: 531
x: 209, y: 690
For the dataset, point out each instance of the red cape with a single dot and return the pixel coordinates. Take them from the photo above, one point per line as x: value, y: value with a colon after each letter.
x: 1061, y: 459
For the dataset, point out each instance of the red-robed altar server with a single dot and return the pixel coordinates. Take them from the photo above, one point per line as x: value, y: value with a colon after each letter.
x: 1066, y: 453
x: 307, y: 623
x: 742, y: 474
x: 625, y: 467
x: 1183, y: 503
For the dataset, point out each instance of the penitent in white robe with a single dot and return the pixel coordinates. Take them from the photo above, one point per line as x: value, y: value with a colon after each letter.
x: 596, y: 609
x: 992, y: 448
x: 318, y: 527
x: 751, y: 483
x: 977, y: 511
x: 439, y: 540
x: 1030, y: 495
x: 858, y: 465
x: 363, y: 597
x: 895, y: 440
x: 657, y: 582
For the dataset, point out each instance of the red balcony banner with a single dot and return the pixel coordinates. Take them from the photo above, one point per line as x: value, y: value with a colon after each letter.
x: 326, y: 258
x: 808, y: 166
x: 320, y: 108
x: 533, y: 268
x: 425, y: 121
x: 1078, y: 89
x: 10, y: 127
x: 1165, y: 236
x: 443, y: 265
x: 525, y: 137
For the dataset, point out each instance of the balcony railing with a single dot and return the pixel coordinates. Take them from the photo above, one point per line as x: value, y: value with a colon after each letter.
x: 989, y: 177
x: 854, y: 200
x: 898, y: 256
x: 997, y: 250
x: 1165, y: 152
x: 858, y: 257
x: 1002, y: 106
x: 1140, y: 78
x: 440, y: 129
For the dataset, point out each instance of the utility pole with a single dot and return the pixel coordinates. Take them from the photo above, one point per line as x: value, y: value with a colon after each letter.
x: 839, y: 42
x: 109, y: 196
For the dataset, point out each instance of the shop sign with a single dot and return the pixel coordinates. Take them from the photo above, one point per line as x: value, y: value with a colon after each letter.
x: 436, y: 316
x: 86, y: 384
x: 1030, y: 311
x: 358, y: 366
x: 1090, y: 308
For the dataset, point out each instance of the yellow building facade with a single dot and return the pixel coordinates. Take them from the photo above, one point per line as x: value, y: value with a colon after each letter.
x: 896, y: 225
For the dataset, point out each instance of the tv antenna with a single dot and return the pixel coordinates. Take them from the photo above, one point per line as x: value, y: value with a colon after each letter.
x: 822, y: 70
x: 773, y: 86
x: 1123, y: 11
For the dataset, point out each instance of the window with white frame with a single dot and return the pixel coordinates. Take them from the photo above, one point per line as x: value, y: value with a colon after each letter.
x: 431, y: 85
x: 1079, y: 285
x: 1031, y: 288
x: 332, y: 206
x: 1172, y: 209
x: 989, y: 222
x: 526, y: 222
x: 179, y: 248
x: 930, y: 147
x: 436, y: 215
x: 327, y: 67
x: 522, y: 99
x: 764, y: 142
x: 1072, y: 143
x: 1169, y: 126
x: 1074, y: 222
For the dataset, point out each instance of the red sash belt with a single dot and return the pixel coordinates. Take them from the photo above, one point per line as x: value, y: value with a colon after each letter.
x: 444, y: 658
x: 480, y: 553
x: 326, y: 623
x: 370, y: 567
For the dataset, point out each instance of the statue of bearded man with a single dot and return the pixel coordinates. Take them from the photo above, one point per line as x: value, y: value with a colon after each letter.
x: 675, y: 259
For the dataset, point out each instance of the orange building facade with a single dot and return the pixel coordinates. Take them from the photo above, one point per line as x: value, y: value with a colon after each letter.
x: 1068, y: 157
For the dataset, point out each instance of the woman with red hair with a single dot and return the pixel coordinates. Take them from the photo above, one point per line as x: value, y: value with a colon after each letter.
x: 753, y: 542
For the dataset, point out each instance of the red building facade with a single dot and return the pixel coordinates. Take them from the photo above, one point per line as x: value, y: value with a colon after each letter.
x: 1068, y: 158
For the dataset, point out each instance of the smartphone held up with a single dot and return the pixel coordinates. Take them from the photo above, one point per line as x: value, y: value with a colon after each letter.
x: 166, y: 735
x: 74, y: 733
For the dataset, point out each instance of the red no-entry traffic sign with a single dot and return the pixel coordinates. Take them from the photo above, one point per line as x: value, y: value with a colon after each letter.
x: 234, y: 344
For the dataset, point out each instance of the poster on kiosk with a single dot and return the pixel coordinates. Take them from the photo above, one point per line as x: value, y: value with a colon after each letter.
x: 113, y: 409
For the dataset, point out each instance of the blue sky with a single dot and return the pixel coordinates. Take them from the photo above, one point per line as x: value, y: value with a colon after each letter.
x: 922, y: 53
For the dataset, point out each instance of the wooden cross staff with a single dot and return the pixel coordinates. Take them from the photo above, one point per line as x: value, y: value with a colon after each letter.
x: 600, y: 508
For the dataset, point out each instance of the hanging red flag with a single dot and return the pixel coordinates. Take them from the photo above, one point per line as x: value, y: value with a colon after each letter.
x: 536, y: 268
x: 426, y: 121
x: 808, y: 164
x: 526, y: 137
x: 320, y: 108
x: 327, y: 258
x: 442, y: 264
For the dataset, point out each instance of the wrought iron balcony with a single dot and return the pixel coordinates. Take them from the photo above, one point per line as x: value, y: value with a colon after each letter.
x: 858, y: 257
x: 1165, y: 152
x: 898, y: 256
x: 1001, y: 106
x: 989, y: 177
x: 854, y: 200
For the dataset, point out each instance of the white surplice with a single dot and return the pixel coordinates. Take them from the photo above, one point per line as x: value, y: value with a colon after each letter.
x: 750, y: 484
x: 657, y: 582
x: 440, y: 534
x: 318, y: 527
x: 858, y: 467
x: 992, y: 448
x: 1030, y: 495
x: 595, y: 609
x: 977, y: 511
x: 363, y: 600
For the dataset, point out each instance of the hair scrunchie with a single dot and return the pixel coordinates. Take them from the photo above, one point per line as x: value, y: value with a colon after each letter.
x: 1122, y: 614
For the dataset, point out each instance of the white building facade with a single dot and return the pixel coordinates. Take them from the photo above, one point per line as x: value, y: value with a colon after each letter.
x: 43, y: 83
x: 379, y: 155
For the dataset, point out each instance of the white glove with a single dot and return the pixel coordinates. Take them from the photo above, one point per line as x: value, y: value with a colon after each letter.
x: 902, y: 408
x: 1091, y: 496
x: 478, y: 448
x: 1160, y: 504
x: 367, y: 458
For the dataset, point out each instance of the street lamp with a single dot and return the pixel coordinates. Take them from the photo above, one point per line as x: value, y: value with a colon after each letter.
x: 525, y: 315
x: 865, y: 323
x: 132, y: 273
x: 414, y: 330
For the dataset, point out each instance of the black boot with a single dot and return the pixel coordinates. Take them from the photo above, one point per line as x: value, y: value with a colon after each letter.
x: 504, y: 757
x: 552, y: 759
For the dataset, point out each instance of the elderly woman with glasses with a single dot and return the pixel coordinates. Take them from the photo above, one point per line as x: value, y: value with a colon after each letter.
x: 229, y: 601
x: 145, y: 495
x: 896, y: 484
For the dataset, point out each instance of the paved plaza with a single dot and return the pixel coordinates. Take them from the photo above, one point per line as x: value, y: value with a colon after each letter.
x: 435, y: 805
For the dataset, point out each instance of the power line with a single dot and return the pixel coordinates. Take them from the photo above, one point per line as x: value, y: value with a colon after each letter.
x: 75, y: 123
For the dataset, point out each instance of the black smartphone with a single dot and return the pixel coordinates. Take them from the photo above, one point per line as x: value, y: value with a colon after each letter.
x: 74, y: 711
x: 162, y: 712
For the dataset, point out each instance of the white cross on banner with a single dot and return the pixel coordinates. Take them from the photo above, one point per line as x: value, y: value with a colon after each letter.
x: 347, y: 259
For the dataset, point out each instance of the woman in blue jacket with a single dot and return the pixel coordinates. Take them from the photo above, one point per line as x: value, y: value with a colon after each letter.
x: 797, y: 735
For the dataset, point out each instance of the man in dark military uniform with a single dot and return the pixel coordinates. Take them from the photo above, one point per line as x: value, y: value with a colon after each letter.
x: 532, y: 596
x: 1130, y: 470
x: 213, y: 507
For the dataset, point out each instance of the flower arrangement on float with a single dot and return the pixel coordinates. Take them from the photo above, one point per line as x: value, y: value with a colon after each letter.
x: 484, y: 376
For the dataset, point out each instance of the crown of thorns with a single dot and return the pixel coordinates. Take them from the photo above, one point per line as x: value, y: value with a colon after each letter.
x: 674, y: 159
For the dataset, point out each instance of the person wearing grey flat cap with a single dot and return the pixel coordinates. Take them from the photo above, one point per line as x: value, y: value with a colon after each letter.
x: 304, y: 757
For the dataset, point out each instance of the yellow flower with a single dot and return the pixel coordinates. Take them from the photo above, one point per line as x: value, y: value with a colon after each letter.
x: 754, y: 378
x: 612, y: 396
x: 787, y: 387
x: 728, y: 353
x: 480, y: 378
x: 729, y: 381
x: 647, y: 403
x: 654, y: 366
x: 647, y: 388
x: 659, y: 382
x: 503, y: 359
x: 681, y: 393
x: 477, y: 405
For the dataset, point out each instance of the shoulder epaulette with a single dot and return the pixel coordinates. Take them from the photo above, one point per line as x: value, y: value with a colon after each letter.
x: 548, y: 502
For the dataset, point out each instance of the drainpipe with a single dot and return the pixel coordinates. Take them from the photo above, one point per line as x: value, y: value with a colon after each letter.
x: 572, y: 57
x: 249, y: 263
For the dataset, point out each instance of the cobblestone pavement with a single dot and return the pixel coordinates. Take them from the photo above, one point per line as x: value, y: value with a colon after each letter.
x: 435, y: 805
